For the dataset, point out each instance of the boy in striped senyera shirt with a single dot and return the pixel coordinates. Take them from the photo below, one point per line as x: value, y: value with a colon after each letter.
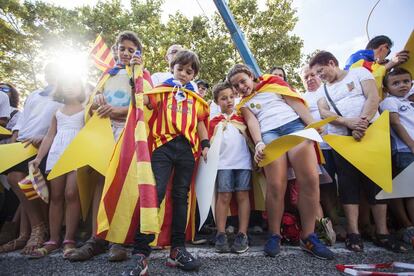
x: 177, y: 126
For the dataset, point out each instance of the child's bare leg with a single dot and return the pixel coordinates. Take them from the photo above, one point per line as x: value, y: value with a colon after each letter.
x: 304, y: 162
x: 56, y: 207
x: 24, y: 224
x: 222, y: 208
x: 276, y: 181
x: 243, y: 205
x: 95, y: 203
x: 72, y: 206
x: 398, y: 209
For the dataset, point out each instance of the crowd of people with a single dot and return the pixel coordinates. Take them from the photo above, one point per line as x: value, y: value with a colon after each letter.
x: 327, y: 201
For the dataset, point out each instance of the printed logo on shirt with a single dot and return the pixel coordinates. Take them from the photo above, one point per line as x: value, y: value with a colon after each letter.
x: 180, y: 109
x: 404, y: 108
x: 350, y: 86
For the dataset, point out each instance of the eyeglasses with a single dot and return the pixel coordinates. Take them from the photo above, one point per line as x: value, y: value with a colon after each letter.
x: 5, y: 89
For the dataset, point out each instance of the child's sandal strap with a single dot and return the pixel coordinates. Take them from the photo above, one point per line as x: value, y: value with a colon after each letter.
x: 69, y: 242
x: 51, y: 243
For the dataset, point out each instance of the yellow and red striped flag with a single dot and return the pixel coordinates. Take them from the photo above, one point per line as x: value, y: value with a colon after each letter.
x: 129, y: 198
x: 102, y: 55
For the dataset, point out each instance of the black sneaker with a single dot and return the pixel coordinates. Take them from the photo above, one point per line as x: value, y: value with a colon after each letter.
x: 241, y: 243
x: 141, y: 269
x: 181, y: 258
x: 222, y: 245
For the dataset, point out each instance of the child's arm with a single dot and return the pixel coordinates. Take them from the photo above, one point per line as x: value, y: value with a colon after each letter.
x: 46, y: 144
x: 203, y: 135
x: 401, y: 131
x: 254, y: 129
x: 300, y: 109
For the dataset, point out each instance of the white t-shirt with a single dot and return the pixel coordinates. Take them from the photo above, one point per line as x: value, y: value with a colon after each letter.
x: 312, y: 100
x: 348, y: 97
x: 405, y: 110
x: 4, y: 105
x: 36, y: 116
x: 160, y: 77
x: 271, y: 110
x: 234, y: 152
x: 117, y: 89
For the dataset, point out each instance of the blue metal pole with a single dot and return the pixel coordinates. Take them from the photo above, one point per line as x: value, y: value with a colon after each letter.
x: 237, y: 36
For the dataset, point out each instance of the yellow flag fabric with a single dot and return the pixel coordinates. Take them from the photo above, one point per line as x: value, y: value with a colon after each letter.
x: 372, y: 155
x: 4, y: 131
x: 409, y: 46
x: 13, y: 154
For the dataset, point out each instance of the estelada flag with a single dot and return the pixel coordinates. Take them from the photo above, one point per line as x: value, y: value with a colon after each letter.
x: 366, y: 59
x: 102, y: 55
x: 129, y: 198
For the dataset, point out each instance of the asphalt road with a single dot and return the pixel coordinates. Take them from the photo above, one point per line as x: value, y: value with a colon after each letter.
x: 291, y: 261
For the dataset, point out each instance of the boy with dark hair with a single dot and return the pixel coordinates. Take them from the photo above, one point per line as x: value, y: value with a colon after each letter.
x: 178, y: 124
x: 202, y: 86
x: 398, y: 83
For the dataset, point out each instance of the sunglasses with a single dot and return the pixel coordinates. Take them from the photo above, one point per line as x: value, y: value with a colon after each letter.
x: 5, y: 89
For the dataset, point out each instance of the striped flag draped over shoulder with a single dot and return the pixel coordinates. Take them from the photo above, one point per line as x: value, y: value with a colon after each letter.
x: 366, y: 59
x: 102, y: 55
x: 129, y: 198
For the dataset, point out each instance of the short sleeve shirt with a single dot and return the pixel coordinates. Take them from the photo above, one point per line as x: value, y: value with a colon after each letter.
x: 405, y: 110
x: 4, y: 105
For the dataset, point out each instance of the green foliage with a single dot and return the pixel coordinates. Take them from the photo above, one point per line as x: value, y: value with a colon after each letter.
x: 30, y: 31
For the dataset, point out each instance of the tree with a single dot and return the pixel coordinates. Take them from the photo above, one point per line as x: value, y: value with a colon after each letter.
x: 29, y: 31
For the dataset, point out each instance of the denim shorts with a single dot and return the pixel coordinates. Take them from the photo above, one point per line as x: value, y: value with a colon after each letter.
x: 286, y: 129
x: 402, y: 160
x: 229, y: 181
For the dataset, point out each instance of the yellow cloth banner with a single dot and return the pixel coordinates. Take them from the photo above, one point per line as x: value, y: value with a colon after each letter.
x: 372, y: 155
x: 5, y: 131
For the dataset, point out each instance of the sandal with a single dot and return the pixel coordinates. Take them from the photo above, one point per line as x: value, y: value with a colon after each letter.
x: 69, y: 247
x: 353, y: 242
x: 389, y: 242
x: 14, y: 245
x: 90, y: 249
x: 48, y: 248
x: 37, y: 239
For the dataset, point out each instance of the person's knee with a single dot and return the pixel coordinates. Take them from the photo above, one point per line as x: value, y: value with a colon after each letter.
x: 71, y: 195
x: 225, y: 198
x: 242, y: 196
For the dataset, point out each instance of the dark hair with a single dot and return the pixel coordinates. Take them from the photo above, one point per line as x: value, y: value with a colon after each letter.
x: 58, y: 94
x: 394, y: 72
x: 184, y: 57
x: 323, y: 58
x: 378, y: 41
x: 220, y: 87
x: 14, y: 94
x: 279, y: 68
x: 203, y: 82
x: 131, y: 36
x: 240, y: 68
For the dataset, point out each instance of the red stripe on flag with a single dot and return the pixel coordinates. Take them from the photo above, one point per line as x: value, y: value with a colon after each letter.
x: 105, y: 54
x: 98, y: 46
x: 126, y: 155
x: 134, y: 225
x: 150, y: 200
x: 142, y: 153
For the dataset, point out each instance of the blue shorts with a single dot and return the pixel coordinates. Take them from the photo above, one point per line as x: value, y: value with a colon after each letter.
x: 229, y: 181
x: 402, y: 160
x: 286, y: 129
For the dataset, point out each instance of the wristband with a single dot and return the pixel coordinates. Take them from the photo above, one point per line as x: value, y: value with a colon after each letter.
x: 259, y: 144
x: 205, y: 144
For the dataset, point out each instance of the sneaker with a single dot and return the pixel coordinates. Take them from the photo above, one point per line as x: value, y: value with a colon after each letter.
x: 241, y: 243
x: 314, y: 246
x: 221, y: 245
x: 230, y: 230
x: 325, y: 231
x: 141, y: 267
x: 408, y: 235
x: 181, y: 258
x: 272, y: 246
